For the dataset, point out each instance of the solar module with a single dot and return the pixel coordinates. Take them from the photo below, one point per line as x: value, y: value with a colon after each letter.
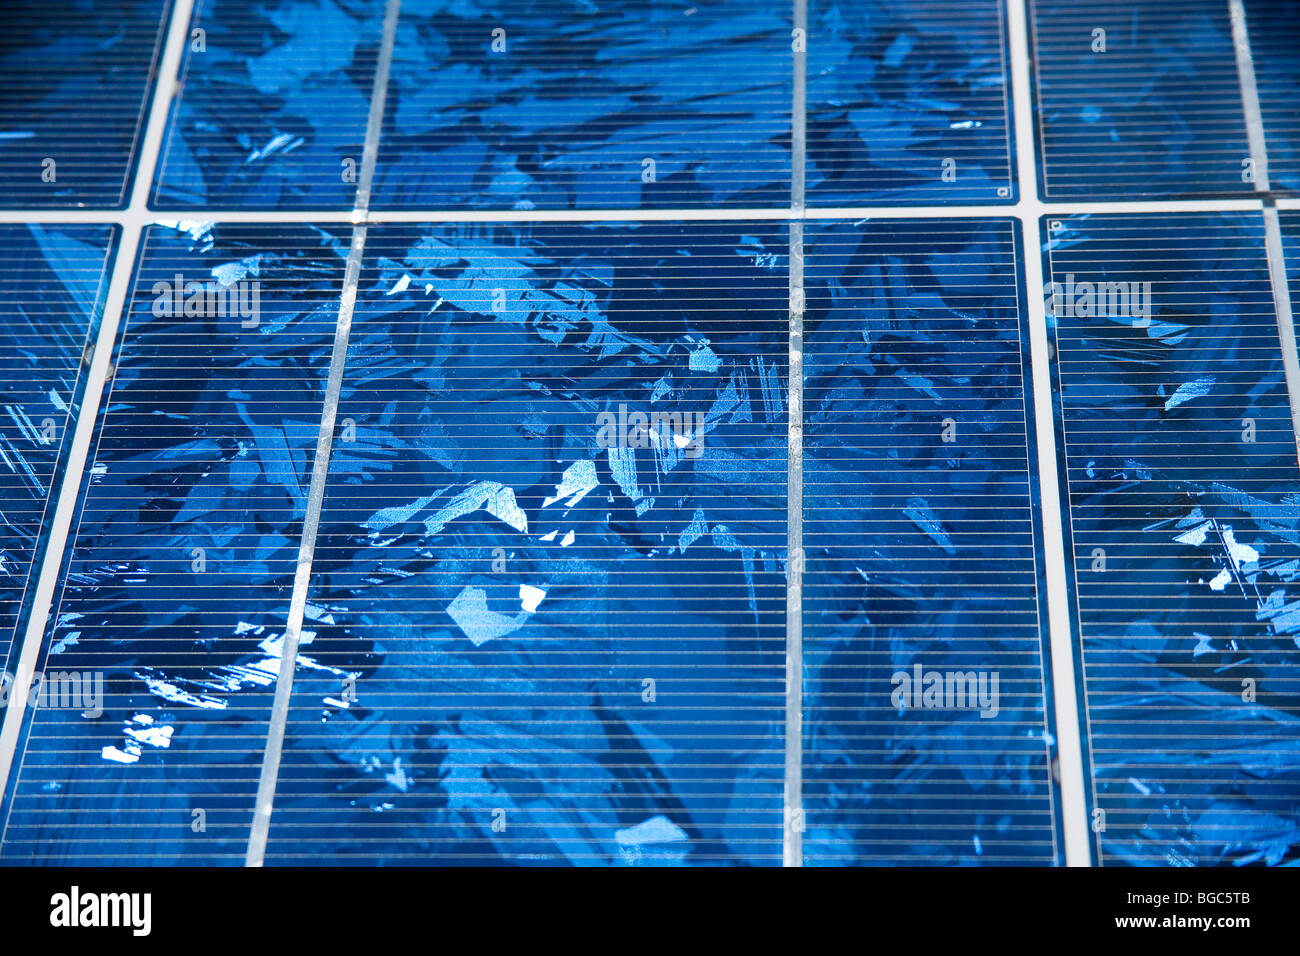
x: 541, y: 433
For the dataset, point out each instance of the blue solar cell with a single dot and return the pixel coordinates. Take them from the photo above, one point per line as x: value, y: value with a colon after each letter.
x: 908, y: 103
x: 566, y: 634
x: 920, y: 524
x: 178, y: 581
x: 1182, y: 483
x: 75, y: 79
x: 273, y: 106
x: 54, y: 282
x: 545, y: 105
x: 1138, y: 99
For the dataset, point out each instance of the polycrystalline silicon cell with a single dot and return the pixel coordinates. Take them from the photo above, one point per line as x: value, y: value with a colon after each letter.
x: 272, y: 111
x: 1184, y: 515
x: 908, y: 103
x: 542, y: 104
x: 178, y: 580
x: 1274, y: 27
x: 919, y: 531
x: 560, y: 646
x: 75, y: 77
x: 1158, y: 114
x: 54, y: 281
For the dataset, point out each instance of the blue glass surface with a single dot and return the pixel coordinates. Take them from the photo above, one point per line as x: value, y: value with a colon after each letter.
x: 1184, y: 505
x: 1137, y: 99
x: 562, y: 651
x: 206, y: 443
x: 54, y: 282
x: 75, y: 79
x: 539, y: 104
x: 272, y: 110
x: 908, y: 103
x: 919, y: 530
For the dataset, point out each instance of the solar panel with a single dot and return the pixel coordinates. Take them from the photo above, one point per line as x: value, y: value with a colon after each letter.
x: 686, y: 433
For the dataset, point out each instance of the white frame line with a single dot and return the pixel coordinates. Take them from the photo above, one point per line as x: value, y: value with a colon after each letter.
x: 144, y: 216
x: 792, y: 811
x: 1069, y: 746
x: 1272, y: 225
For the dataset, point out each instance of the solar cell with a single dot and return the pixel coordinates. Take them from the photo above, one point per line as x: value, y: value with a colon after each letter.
x: 272, y: 106
x: 55, y: 278
x: 1138, y: 100
x: 539, y: 104
x: 75, y: 80
x: 551, y: 562
x: 1274, y: 25
x: 1181, y: 475
x: 177, y: 582
x: 908, y: 104
x: 927, y: 735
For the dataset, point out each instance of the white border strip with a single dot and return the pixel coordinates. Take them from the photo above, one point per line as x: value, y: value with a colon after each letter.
x: 142, y: 217
x: 1250, y: 110
x: 1285, y: 321
x: 792, y: 838
x: 793, y: 826
x: 96, y: 377
x: 261, y: 828
x: 1074, y: 817
x: 1254, y: 117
